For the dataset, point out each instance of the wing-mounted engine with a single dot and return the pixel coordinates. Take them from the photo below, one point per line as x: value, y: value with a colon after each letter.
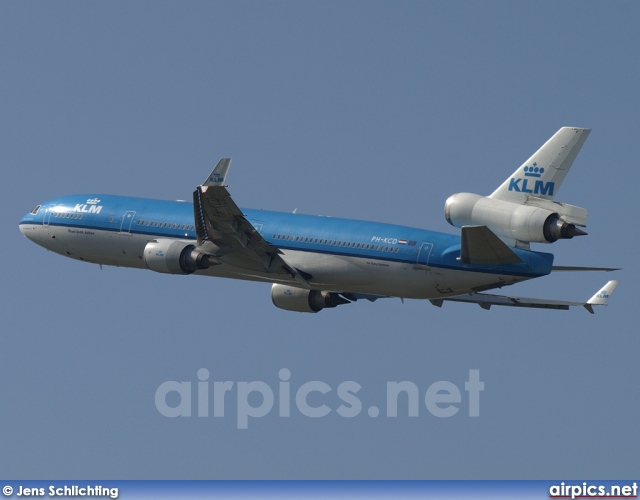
x: 522, y: 210
x: 176, y: 257
x: 301, y: 300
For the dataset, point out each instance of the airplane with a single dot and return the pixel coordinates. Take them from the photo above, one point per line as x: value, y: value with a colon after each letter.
x: 318, y: 262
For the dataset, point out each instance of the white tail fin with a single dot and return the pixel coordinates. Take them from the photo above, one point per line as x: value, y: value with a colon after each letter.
x: 541, y: 175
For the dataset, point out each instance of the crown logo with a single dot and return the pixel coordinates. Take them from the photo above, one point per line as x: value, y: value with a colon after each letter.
x: 533, y: 171
x: 93, y: 201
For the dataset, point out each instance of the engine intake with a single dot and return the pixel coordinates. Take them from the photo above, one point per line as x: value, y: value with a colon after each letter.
x: 301, y: 300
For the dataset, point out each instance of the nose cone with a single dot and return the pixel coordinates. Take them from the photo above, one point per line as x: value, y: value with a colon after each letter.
x: 27, y: 226
x: 30, y: 222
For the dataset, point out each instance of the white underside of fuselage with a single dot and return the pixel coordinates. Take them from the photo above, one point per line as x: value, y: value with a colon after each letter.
x: 338, y: 273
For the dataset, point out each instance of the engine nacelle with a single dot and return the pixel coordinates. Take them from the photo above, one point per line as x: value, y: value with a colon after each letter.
x: 175, y: 257
x: 301, y: 300
x: 524, y: 223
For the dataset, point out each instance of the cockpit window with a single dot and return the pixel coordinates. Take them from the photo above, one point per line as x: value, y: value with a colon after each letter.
x: 35, y: 210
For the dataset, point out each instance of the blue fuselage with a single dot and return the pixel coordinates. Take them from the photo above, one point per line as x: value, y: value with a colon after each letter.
x: 340, y: 254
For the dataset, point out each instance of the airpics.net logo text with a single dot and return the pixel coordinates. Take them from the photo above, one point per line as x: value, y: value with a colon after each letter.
x: 313, y: 399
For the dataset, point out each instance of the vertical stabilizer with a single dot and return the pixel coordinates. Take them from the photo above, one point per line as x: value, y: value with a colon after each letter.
x: 542, y: 174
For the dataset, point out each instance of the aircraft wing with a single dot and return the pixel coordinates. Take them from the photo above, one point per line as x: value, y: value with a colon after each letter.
x: 486, y: 300
x: 224, y: 232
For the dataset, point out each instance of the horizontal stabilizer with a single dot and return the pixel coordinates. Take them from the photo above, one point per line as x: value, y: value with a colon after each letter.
x: 569, y: 213
x: 480, y: 247
x: 486, y: 300
x: 578, y: 268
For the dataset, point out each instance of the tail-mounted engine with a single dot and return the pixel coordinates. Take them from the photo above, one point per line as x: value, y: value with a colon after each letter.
x: 539, y: 221
x: 176, y: 257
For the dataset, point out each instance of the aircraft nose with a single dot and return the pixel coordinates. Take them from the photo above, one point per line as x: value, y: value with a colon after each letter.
x: 28, y: 223
x: 25, y: 227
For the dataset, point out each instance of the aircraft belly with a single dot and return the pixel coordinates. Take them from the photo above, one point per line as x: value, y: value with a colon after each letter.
x: 341, y: 273
x: 92, y: 245
x: 330, y: 270
x: 384, y: 277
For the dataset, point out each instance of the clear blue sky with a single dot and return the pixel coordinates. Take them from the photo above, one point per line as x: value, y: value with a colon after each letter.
x: 360, y: 109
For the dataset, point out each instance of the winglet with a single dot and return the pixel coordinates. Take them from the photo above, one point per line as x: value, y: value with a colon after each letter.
x: 218, y: 175
x: 600, y: 298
